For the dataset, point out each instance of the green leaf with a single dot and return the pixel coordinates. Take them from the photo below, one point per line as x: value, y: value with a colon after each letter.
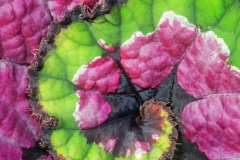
x: 77, y: 44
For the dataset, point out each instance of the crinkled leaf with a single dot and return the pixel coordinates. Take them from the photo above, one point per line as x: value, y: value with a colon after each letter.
x: 18, y: 129
x: 61, y: 53
x: 23, y: 25
x: 94, y: 106
x: 57, y: 93
x: 149, y: 59
x: 213, y: 123
x: 204, y: 74
x: 101, y: 74
x: 204, y: 71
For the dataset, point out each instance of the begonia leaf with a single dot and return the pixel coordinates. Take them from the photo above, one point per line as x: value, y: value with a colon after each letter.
x: 221, y: 16
x: 67, y: 93
x: 18, y: 129
x: 101, y: 74
x: 149, y: 60
x: 23, y: 25
x: 213, y: 124
x: 81, y: 41
x: 93, y: 105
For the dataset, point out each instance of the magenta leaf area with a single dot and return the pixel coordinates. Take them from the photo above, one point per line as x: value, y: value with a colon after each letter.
x: 23, y: 25
x: 18, y: 129
x: 213, y: 124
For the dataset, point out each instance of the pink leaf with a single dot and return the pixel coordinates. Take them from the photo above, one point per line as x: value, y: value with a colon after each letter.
x: 149, y: 59
x: 93, y: 105
x: 213, y: 123
x: 204, y: 71
x: 17, y: 128
x: 176, y: 34
x: 9, y: 151
x: 101, y: 74
x: 145, y: 60
x: 23, y: 25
